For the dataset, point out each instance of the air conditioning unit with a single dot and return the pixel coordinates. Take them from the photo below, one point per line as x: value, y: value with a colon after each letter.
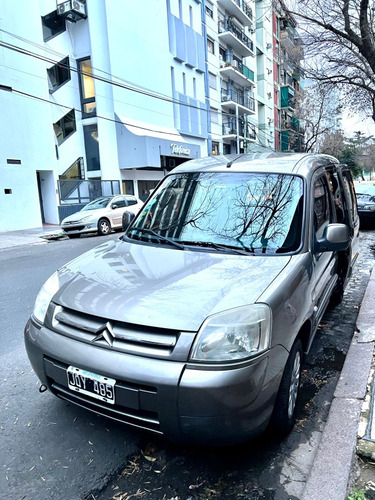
x: 72, y: 10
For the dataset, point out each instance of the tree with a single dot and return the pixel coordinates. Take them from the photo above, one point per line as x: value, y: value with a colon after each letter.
x: 340, y: 36
x: 320, y: 110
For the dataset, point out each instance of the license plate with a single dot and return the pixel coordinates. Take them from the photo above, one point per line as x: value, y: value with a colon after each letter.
x: 91, y: 384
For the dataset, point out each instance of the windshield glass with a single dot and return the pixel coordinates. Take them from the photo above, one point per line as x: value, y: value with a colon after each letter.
x: 98, y: 203
x: 261, y: 213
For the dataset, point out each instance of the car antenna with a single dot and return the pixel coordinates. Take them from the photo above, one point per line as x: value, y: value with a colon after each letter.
x: 229, y: 164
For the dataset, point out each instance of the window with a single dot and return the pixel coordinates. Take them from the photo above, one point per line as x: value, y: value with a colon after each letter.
x: 52, y: 25
x: 119, y: 202
x: 58, y: 74
x: 215, y: 148
x: 191, y: 16
x: 75, y: 171
x: 65, y: 127
x: 128, y: 187
x: 214, y: 115
x: 184, y: 83
x: 194, y: 88
x: 210, y: 46
x: 87, y: 88
x: 212, y: 80
x: 209, y: 9
x: 131, y: 201
x: 322, y: 209
x: 90, y: 133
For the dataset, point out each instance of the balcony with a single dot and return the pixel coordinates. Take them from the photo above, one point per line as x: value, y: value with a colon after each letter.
x: 239, y: 9
x: 233, y: 99
x: 287, y: 99
x: 245, y: 130
x: 233, y: 36
x: 237, y: 72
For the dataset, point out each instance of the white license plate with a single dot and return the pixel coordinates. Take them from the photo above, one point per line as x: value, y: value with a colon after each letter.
x: 91, y: 384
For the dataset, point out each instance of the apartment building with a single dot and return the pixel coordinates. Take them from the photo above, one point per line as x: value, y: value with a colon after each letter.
x: 106, y: 97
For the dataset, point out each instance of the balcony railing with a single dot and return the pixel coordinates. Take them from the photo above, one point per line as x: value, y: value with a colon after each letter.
x: 239, y: 66
x: 233, y: 95
x: 243, y: 6
x: 228, y: 25
x: 244, y: 130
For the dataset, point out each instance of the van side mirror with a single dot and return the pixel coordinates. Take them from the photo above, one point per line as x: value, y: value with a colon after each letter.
x: 336, y: 237
x: 127, y: 218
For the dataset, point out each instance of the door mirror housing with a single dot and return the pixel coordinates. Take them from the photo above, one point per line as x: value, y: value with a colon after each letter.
x: 127, y: 219
x: 336, y: 237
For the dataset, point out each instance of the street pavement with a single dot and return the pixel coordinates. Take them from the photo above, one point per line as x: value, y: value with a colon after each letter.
x: 350, y: 427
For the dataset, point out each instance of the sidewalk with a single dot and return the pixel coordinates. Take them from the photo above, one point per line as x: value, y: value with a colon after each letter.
x: 351, y: 414
x: 38, y: 235
x: 352, y: 411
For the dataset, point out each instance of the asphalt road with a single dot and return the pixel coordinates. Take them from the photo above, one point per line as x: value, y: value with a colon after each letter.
x: 51, y: 449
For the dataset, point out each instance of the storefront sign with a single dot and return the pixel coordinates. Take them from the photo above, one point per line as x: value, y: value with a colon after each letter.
x: 179, y: 150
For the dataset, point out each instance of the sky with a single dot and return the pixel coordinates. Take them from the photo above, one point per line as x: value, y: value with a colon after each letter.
x: 352, y: 123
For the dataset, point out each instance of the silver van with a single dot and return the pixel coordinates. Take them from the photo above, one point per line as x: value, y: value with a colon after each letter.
x: 195, y: 323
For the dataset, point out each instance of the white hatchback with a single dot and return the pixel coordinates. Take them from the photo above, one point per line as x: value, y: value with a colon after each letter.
x: 100, y: 215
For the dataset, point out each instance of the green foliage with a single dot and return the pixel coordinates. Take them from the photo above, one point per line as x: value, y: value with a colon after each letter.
x: 349, y: 156
x: 357, y: 495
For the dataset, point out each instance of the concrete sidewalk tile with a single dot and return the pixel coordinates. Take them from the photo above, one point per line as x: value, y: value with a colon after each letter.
x: 333, y: 461
x: 354, y: 375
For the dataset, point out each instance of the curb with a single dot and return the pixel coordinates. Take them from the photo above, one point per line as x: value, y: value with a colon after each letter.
x: 331, y: 475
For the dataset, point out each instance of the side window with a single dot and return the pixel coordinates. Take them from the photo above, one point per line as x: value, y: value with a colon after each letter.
x: 322, y: 206
x: 350, y: 194
x: 120, y: 202
x: 131, y: 201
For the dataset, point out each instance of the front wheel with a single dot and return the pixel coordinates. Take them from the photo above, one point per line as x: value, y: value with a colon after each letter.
x: 284, y: 413
x: 104, y: 227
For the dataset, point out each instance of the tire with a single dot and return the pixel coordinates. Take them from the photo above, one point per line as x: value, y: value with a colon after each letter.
x: 284, y: 413
x: 72, y: 236
x: 104, y: 227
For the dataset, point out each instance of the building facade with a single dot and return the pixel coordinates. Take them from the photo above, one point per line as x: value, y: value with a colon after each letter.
x: 105, y: 97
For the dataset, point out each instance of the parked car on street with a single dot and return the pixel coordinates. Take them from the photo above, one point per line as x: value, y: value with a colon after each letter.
x: 366, y: 202
x: 194, y: 325
x: 101, y: 215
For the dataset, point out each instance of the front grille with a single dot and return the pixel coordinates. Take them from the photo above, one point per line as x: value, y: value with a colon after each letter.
x: 120, y: 336
x: 135, y: 405
x: 75, y: 228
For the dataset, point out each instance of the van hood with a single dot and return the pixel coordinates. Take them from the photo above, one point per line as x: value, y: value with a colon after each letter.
x: 162, y: 287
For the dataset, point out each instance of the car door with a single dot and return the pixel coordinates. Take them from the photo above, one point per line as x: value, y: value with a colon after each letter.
x: 323, y: 263
x: 118, y: 206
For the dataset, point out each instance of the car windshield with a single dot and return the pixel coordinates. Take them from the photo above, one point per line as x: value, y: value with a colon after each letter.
x: 251, y: 212
x: 98, y: 203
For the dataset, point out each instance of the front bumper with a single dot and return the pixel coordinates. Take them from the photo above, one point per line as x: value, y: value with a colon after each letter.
x: 90, y: 227
x: 184, y: 402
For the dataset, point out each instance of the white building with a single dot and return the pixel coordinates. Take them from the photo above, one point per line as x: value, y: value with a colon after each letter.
x: 104, y: 97
x: 95, y: 90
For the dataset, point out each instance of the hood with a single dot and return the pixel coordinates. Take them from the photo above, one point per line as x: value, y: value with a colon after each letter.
x: 162, y: 287
x: 85, y: 213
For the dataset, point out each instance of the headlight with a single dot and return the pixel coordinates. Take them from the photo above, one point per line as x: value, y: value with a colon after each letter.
x: 87, y: 218
x: 44, y: 297
x: 233, y: 335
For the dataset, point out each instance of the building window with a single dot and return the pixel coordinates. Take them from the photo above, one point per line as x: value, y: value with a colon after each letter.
x: 90, y: 133
x: 212, y: 80
x: 210, y: 46
x: 191, y: 16
x: 74, y: 172
x: 58, y: 74
x: 209, y: 9
x: 128, y: 187
x: 65, y: 127
x: 194, y: 88
x: 214, y: 115
x: 180, y: 9
x: 52, y: 25
x: 184, y: 83
x: 87, y: 88
x: 215, y: 148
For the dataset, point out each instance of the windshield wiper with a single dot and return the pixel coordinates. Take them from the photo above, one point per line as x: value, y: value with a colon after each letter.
x: 221, y: 247
x: 158, y: 236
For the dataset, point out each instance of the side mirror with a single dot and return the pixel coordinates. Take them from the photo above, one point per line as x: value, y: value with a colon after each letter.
x: 336, y: 237
x: 114, y: 206
x: 127, y: 219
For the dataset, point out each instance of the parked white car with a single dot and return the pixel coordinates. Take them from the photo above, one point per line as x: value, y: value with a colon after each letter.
x: 101, y: 215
